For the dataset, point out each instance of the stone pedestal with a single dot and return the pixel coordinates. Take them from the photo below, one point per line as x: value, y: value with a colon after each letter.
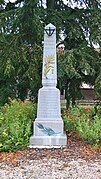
x: 48, y: 141
x: 48, y: 129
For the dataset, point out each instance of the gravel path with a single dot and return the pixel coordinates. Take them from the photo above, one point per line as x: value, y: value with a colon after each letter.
x: 52, y: 169
x: 76, y: 161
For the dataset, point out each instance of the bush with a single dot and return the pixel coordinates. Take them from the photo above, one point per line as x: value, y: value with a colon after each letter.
x: 85, y: 122
x: 15, y: 124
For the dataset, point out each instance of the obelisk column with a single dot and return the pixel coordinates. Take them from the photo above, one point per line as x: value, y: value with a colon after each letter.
x: 49, y: 72
x: 49, y: 95
x: 48, y: 126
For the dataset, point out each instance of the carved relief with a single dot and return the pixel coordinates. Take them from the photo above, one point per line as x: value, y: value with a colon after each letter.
x: 47, y: 130
x: 49, y: 62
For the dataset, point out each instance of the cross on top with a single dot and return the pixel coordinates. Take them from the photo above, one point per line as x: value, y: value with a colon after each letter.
x: 49, y: 31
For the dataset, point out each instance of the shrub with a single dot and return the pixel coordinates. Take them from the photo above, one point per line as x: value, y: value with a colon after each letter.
x: 15, y: 124
x: 85, y: 122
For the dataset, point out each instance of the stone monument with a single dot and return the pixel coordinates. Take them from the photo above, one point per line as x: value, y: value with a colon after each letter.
x: 48, y: 126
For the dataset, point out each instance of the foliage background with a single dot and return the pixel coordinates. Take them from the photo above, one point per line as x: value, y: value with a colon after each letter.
x: 21, y: 35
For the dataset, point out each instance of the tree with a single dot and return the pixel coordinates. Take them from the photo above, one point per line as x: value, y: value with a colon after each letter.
x: 98, y: 80
x: 21, y: 43
x: 20, y: 51
x: 74, y: 67
x: 98, y: 87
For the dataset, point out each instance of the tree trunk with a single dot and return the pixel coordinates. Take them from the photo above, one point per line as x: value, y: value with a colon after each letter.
x: 67, y: 96
x: 50, y: 4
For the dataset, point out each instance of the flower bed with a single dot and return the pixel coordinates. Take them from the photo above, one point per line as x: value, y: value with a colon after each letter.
x: 85, y: 121
x: 15, y: 124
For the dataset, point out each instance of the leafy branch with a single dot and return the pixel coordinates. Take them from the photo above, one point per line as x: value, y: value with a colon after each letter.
x: 49, y: 62
x: 46, y: 130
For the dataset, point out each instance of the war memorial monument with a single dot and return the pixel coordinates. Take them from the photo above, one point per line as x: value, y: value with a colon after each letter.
x: 48, y: 128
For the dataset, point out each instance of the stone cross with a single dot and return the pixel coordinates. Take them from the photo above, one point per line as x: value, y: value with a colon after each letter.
x: 48, y: 126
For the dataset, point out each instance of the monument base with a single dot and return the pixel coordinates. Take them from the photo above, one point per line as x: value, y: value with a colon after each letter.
x: 48, y: 133
x: 48, y: 140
